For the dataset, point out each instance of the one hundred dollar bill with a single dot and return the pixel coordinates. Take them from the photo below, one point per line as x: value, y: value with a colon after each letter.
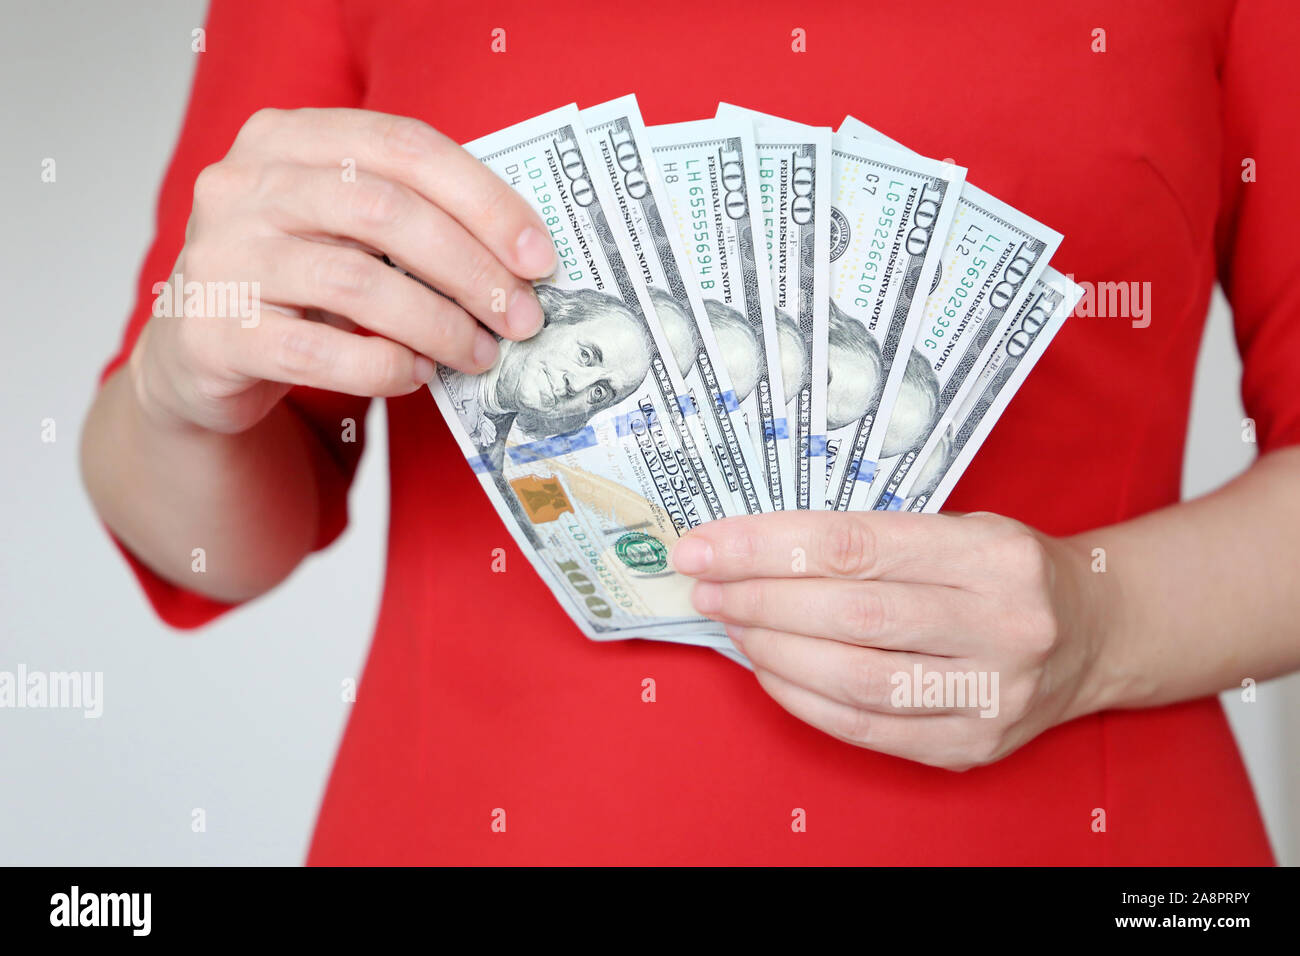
x: 709, y: 172
x: 1006, y: 363
x: 572, y: 431
x: 706, y: 395
x: 891, y: 211
x: 991, y: 258
x: 794, y: 182
x: 1013, y: 356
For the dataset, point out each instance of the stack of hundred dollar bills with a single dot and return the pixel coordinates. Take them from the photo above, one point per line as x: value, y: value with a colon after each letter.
x: 749, y: 314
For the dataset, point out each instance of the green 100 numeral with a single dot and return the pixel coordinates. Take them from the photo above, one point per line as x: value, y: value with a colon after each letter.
x: 582, y: 584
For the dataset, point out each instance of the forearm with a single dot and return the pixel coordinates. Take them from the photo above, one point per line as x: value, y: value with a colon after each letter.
x: 1196, y: 597
x: 249, y: 500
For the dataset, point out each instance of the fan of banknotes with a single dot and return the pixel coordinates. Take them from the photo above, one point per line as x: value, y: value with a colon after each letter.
x: 749, y: 314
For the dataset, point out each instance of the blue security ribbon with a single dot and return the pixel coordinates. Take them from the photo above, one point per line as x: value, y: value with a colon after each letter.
x: 777, y: 429
x: 623, y: 423
x: 553, y: 446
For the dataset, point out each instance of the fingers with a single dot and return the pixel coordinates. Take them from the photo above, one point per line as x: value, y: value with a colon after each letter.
x: 415, y: 154
x: 862, y: 545
x: 859, y: 677
x: 354, y: 284
x: 940, y: 740
x: 414, y: 233
x: 904, y: 617
x: 300, y: 352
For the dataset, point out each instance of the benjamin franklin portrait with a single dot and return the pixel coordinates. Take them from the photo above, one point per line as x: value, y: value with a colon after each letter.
x: 796, y: 363
x: 854, y: 370
x: 935, y: 467
x: 914, y: 409
x: 591, y: 353
x: 856, y: 377
x: 679, y: 327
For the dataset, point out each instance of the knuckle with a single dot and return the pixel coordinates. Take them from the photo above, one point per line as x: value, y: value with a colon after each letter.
x: 1014, y: 703
x: 976, y: 748
x: 405, y: 136
x: 481, y: 275
x: 741, y: 546
x: 865, y: 611
x: 257, y: 126
x: 386, y: 366
x: 214, y: 185
x: 862, y: 679
x: 748, y: 600
x: 985, y: 749
x: 380, y: 202
x: 1026, y: 555
x: 345, y: 273
x: 849, y: 548
x: 498, y: 203
x: 206, y: 391
x: 273, y: 182
x: 854, y: 725
x: 298, y: 350
x: 1040, y: 630
x: 450, y: 335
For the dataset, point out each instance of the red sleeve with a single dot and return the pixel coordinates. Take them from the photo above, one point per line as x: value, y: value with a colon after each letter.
x: 1258, y: 253
x: 287, y: 53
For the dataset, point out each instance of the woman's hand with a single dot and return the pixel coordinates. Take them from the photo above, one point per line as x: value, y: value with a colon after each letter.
x: 295, y: 211
x: 840, y: 613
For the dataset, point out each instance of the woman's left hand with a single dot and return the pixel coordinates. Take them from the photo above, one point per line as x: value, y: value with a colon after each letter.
x: 841, y: 612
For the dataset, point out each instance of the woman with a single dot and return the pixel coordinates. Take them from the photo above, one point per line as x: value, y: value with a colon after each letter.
x: 487, y: 729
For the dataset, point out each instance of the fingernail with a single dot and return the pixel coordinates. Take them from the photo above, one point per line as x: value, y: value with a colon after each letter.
x: 524, y: 315
x: 536, y: 252
x: 423, y: 370
x: 733, y: 632
x: 707, y: 597
x: 692, y: 556
x: 485, y: 349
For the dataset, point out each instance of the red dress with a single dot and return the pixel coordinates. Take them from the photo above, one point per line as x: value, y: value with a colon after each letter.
x: 479, y: 694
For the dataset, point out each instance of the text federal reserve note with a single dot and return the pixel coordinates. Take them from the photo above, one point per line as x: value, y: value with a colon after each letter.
x: 890, y: 213
x: 618, y: 139
x: 794, y: 183
x: 708, y: 168
x: 991, y: 258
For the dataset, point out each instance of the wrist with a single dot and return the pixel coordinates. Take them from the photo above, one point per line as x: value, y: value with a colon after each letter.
x: 1092, y: 608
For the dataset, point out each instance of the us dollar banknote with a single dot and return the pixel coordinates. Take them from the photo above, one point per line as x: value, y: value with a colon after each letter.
x: 706, y: 395
x: 991, y: 257
x: 794, y: 182
x: 708, y: 168
x: 1006, y: 363
x: 890, y: 213
x: 572, y: 431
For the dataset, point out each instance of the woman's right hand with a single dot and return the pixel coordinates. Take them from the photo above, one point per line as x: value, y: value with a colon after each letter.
x: 298, y: 206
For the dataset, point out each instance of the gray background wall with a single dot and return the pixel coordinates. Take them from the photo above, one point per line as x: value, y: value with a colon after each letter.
x: 241, y: 720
